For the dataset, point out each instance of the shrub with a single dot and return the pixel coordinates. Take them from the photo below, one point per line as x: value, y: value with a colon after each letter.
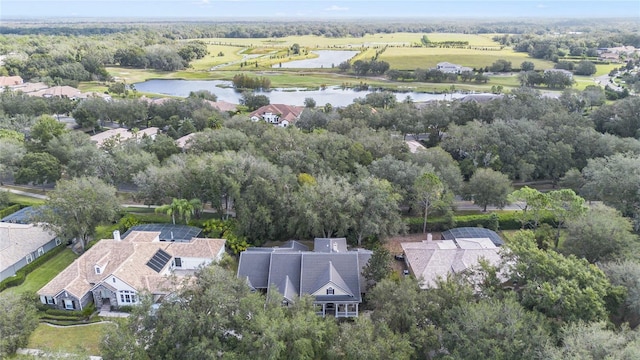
x: 9, y: 210
x: 505, y: 221
x: 21, y: 274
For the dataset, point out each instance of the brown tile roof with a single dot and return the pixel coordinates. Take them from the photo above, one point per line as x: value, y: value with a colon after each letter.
x: 58, y: 91
x: 29, y: 87
x: 10, y: 80
x: 222, y: 105
x: 429, y: 260
x: 287, y: 112
x: 126, y: 260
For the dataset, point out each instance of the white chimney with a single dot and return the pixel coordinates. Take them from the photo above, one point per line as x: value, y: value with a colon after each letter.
x: 116, y: 235
x: 429, y: 237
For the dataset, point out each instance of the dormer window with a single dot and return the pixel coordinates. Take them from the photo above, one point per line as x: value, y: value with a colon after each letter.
x: 178, y: 262
x: 98, y: 269
x: 330, y: 291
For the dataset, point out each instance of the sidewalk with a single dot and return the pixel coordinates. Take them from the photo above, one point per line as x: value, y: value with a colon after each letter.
x: 24, y: 193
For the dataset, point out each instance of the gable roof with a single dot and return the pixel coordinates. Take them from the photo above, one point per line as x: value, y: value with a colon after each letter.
x: 295, y: 272
x: 127, y: 260
x: 123, y: 134
x: 429, y: 260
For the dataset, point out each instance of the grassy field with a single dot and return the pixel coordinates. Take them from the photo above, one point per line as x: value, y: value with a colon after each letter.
x: 369, y: 40
x: 412, y: 58
x: 74, y: 339
x: 24, y: 200
x: 43, y: 274
x: 401, y: 54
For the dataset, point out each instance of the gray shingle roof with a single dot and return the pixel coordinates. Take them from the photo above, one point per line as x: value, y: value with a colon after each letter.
x: 303, y: 272
x: 314, y: 270
x: 255, y: 266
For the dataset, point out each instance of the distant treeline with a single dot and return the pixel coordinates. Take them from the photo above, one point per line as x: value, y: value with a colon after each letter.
x: 334, y: 28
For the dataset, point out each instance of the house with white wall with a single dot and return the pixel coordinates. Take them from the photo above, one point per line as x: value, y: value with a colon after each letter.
x: 21, y: 242
x: 278, y: 114
x: 115, y: 271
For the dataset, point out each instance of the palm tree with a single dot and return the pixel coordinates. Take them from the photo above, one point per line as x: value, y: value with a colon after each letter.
x: 183, y: 207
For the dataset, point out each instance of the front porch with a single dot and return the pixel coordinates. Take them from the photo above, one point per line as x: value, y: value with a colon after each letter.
x: 338, y: 310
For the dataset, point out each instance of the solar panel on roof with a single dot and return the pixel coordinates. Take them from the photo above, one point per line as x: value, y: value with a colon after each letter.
x: 474, y: 233
x: 159, y: 260
x: 168, y: 232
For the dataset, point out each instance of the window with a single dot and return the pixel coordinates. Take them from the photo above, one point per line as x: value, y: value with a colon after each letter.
x: 29, y: 258
x: 40, y: 251
x: 50, y: 300
x: 330, y: 291
x: 178, y: 262
x: 98, y: 270
x: 69, y: 305
x: 127, y: 297
x: 58, y: 241
x: 114, y: 280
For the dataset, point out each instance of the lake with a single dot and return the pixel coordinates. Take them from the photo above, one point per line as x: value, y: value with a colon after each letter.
x: 325, y: 59
x: 224, y: 91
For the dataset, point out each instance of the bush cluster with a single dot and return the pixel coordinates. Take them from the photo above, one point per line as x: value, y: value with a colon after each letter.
x: 505, y: 221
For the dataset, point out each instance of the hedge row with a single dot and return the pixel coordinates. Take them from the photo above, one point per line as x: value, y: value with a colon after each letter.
x: 493, y: 221
x: 21, y: 274
x: 9, y: 210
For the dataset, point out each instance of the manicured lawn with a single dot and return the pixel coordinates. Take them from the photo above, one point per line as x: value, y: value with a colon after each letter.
x: 83, y: 339
x: 43, y: 274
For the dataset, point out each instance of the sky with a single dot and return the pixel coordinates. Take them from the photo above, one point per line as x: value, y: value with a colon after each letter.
x: 317, y: 9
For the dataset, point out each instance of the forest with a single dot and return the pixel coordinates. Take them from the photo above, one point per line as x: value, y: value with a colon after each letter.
x: 571, y: 253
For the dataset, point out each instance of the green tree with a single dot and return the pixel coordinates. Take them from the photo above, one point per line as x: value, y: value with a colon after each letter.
x: 253, y: 101
x: 489, y: 187
x: 565, y: 289
x: 182, y: 207
x: 428, y: 193
x: 585, y: 67
x: 326, y: 208
x: 564, y: 205
x: 601, y: 234
x: 593, y: 341
x: 365, y: 340
x: 45, y: 129
x: 494, y: 329
x: 76, y: 206
x: 18, y: 319
x: 379, y: 265
x: 532, y: 204
x: 378, y: 214
x: 527, y: 66
x: 39, y: 169
x: 11, y: 153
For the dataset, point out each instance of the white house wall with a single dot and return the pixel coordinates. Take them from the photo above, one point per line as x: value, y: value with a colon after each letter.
x: 193, y: 263
x: 336, y: 290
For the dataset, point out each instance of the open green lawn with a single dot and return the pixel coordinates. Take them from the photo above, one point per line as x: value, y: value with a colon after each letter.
x: 413, y: 58
x: 395, y: 39
x: 83, y: 339
x: 24, y: 200
x: 43, y: 274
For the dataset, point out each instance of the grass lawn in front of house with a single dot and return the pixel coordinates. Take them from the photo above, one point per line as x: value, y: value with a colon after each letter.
x: 43, y: 274
x: 84, y: 339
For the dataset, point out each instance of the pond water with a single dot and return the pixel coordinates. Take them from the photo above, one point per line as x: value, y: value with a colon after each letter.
x: 325, y: 59
x: 224, y: 91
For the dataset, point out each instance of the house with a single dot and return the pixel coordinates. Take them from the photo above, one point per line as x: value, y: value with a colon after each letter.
x: 115, y: 271
x: 58, y: 91
x: 21, y: 242
x: 449, y: 68
x: 10, y: 81
x: 278, y: 114
x: 185, y: 141
x: 566, y: 73
x: 121, y: 134
x: 223, y: 106
x: 330, y: 273
x: 29, y: 87
x: 459, y: 251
